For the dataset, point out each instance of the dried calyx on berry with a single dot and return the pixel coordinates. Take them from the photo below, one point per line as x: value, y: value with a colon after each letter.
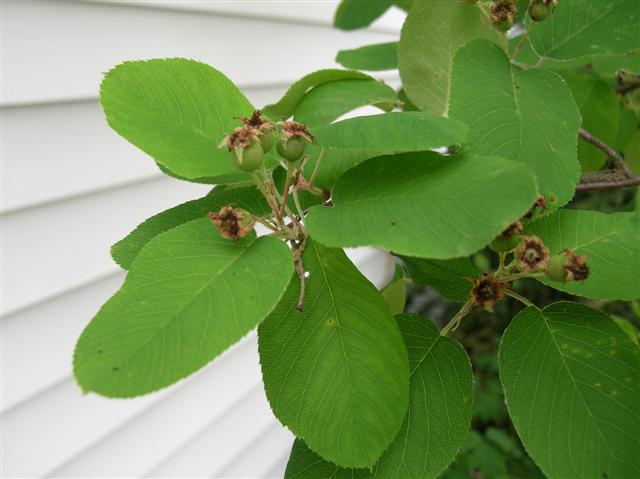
x: 294, y: 138
x: 487, y: 291
x: 568, y: 266
x: 508, y: 239
x: 538, y: 207
x: 266, y: 129
x: 531, y: 254
x: 502, y: 14
x: 232, y: 223
x: 245, y: 148
x: 540, y: 9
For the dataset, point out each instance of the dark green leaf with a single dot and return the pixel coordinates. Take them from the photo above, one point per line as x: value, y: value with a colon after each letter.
x: 581, y: 28
x: 448, y: 277
x: 189, y: 295
x: 177, y: 111
x: 329, y: 101
x: 599, y: 106
x: 437, y: 421
x: 424, y: 204
x: 431, y: 35
x: 378, y: 57
x: 612, y: 243
x: 287, y: 105
x: 570, y: 377
x: 336, y: 374
x: 125, y: 250
x: 528, y: 117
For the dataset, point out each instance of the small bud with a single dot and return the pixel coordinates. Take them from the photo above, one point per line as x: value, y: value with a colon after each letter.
x: 265, y: 129
x: 568, y: 266
x: 538, y: 207
x: 531, y: 254
x: 293, y: 140
x: 245, y: 148
x: 508, y: 239
x: 539, y: 10
x: 232, y: 223
x: 487, y: 291
x: 502, y: 14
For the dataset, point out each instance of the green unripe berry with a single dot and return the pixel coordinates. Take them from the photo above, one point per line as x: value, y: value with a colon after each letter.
x: 555, y: 268
x: 503, y: 25
x: 249, y: 158
x: 539, y: 11
x: 266, y: 138
x: 501, y: 244
x: 291, y: 149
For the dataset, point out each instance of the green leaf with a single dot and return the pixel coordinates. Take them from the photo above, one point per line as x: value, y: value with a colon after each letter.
x: 424, y: 204
x: 287, y: 105
x: 395, y: 292
x: 125, y: 250
x: 437, y: 421
x: 335, y: 162
x: 612, y: 243
x: 529, y: 117
x: 189, y: 295
x: 355, y: 14
x: 448, y: 277
x: 177, y: 111
x: 392, y: 132
x: 610, y: 65
x: 336, y: 374
x: 378, y: 57
x: 627, y: 128
x: 431, y: 35
x: 327, y: 102
x: 581, y: 28
x: 599, y: 106
x: 570, y: 377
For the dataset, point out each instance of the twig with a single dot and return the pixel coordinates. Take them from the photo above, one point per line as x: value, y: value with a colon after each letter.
x: 617, y: 159
x: 627, y: 87
x: 316, y: 167
x: 285, y: 192
x: 608, y: 185
x: 297, y: 255
x: 522, y: 299
x: 455, y: 321
x: 520, y: 44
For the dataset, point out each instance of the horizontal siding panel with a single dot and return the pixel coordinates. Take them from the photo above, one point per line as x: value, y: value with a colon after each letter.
x: 56, y: 51
x: 319, y: 12
x: 163, y: 428
x: 54, y: 248
x: 75, y: 153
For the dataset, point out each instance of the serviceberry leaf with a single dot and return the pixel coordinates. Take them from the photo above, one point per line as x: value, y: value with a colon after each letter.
x: 570, y: 377
x: 336, y: 374
x: 378, y: 57
x: 189, y: 295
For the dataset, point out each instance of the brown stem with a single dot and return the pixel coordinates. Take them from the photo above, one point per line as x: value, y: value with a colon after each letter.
x: 297, y: 255
x: 617, y: 159
x: 628, y: 87
x: 609, y: 185
x: 285, y: 192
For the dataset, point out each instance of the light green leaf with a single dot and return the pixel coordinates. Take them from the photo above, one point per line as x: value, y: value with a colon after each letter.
x: 431, y: 35
x: 336, y: 374
x: 437, y: 421
x: 571, y: 382
x: 189, y: 295
x: 529, y: 117
x: 378, y: 57
x: 392, y: 132
x: 448, y: 277
x: 287, y: 105
x: 177, y: 111
x: 424, y: 204
x: 335, y: 162
x: 580, y: 28
x: 610, y: 65
x: 599, y: 106
x: 125, y: 250
x: 612, y: 243
x: 329, y: 101
x: 355, y: 14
